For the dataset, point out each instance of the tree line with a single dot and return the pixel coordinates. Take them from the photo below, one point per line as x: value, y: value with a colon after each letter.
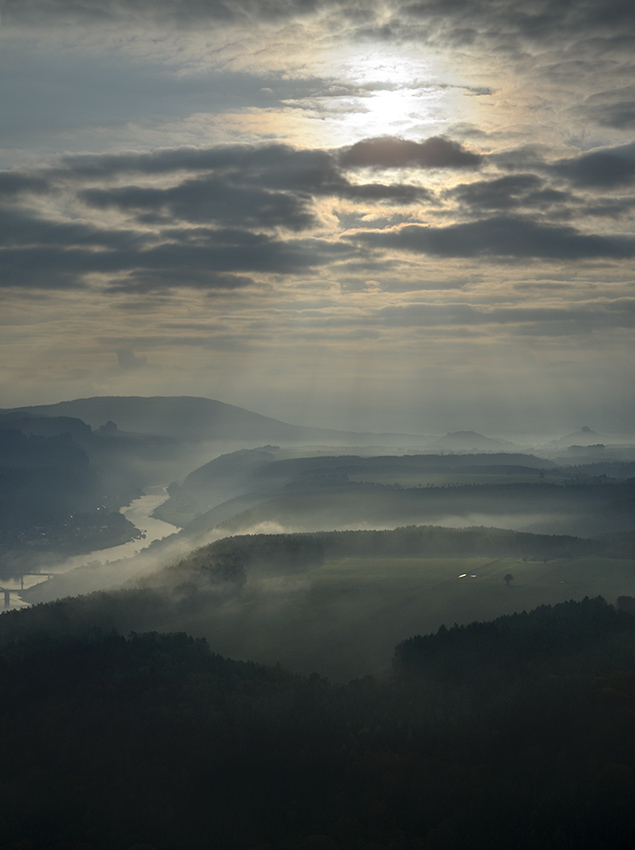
x: 517, y: 733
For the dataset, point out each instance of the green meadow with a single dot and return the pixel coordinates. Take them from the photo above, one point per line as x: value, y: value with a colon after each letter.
x: 343, y: 618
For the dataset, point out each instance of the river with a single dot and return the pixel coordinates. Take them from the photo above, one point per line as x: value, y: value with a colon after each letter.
x: 139, y: 512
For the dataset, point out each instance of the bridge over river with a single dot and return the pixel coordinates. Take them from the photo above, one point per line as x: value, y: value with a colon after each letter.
x: 7, y: 591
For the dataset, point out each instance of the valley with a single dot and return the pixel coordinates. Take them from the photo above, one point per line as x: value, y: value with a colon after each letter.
x: 358, y: 628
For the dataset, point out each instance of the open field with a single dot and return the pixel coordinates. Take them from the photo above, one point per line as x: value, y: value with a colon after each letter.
x: 425, y: 478
x: 344, y: 618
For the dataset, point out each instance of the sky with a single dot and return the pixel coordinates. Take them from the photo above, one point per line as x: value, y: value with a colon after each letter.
x: 401, y: 215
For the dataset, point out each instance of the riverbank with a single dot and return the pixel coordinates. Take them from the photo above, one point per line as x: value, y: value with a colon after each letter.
x: 101, y: 568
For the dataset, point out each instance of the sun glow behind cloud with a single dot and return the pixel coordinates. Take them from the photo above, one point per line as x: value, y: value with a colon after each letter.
x: 318, y: 211
x: 388, y: 92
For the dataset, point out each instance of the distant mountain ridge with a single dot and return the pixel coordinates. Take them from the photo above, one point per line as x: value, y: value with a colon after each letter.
x: 189, y: 418
x: 470, y: 441
x: 584, y: 437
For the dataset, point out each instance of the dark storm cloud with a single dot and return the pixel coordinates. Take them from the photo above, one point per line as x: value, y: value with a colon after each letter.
x: 317, y: 172
x: 46, y: 267
x: 47, y: 255
x: 274, y: 167
x: 507, y: 193
x: 391, y: 152
x: 271, y: 186
x: 500, y: 237
x: 222, y: 262
x: 19, y: 228
x: 611, y: 168
x: 611, y: 207
x: 209, y: 199
x: 163, y: 161
x: 39, y: 268
x: 14, y: 183
x: 143, y: 281
x: 230, y: 192
x: 206, y: 215
x: 235, y: 250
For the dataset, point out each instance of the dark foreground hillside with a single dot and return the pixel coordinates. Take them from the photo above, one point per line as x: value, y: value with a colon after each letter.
x: 517, y: 733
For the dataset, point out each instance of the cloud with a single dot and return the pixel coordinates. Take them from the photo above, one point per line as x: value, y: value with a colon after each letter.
x: 507, y: 193
x: 23, y: 228
x: 391, y: 152
x: 214, y: 218
x: 532, y: 20
x: 269, y: 187
x: 610, y: 207
x: 235, y: 250
x: 612, y: 108
x: 39, y: 268
x: 234, y: 194
x: 140, y: 281
x: 600, y: 313
x: 128, y: 360
x: 13, y: 183
x: 185, y: 12
x: 206, y: 258
x: 500, y: 237
x: 207, y: 199
x: 620, y: 114
x: 287, y: 227
x: 606, y: 168
x: 242, y: 182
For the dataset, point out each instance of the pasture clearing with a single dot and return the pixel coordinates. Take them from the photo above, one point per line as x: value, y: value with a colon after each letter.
x: 344, y: 618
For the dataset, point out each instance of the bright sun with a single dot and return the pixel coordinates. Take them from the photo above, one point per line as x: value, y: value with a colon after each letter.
x: 390, y: 94
x: 390, y: 111
x: 380, y: 67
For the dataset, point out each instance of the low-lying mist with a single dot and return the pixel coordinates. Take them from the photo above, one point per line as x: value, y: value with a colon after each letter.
x: 302, y: 553
x: 337, y: 602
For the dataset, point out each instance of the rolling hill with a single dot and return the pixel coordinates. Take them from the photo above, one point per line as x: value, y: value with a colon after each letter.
x: 194, y: 419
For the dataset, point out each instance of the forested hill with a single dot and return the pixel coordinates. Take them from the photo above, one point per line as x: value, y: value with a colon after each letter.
x: 338, y: 602
x: 304, y: 549
x: 573, y: 636
x: 154, y: 742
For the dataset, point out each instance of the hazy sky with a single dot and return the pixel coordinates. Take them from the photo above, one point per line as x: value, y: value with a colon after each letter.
x: 376, y: 215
